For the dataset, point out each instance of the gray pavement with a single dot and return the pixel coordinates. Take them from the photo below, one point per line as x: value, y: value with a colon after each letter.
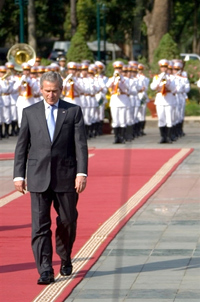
x: 156, y: 255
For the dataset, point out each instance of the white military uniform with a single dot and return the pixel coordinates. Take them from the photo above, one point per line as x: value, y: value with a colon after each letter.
x: 119, y: 102
x: 94, y: 88
x: 1, y: 112
x: 164, y: 101
x: 135, y: 87
x: 6, y: 88
x: 85, y: 100
x: 25, y: 98
x: 101, y: 96
x: 72, y: 90
x: 144, y: 99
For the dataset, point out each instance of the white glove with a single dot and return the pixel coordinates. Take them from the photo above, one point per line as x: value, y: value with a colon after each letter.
x: 116, y: 73
x: 26, y: 79
x: 70, y: 76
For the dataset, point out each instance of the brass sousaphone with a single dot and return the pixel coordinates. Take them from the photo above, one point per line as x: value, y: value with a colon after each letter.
x: 21, y: 53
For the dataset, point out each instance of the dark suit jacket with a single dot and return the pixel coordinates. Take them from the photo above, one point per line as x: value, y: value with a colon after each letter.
x: 57, y: 162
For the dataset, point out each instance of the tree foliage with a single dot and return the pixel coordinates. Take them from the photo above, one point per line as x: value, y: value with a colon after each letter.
x: 123, y: 22
x: 167, y: 49
x: 50, y: 17
x: 79, y: 50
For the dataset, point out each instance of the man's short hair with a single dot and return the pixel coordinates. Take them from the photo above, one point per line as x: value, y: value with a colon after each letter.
x: 51, y: 76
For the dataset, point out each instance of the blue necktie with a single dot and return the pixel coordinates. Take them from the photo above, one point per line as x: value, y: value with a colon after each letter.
x: 51, y: 121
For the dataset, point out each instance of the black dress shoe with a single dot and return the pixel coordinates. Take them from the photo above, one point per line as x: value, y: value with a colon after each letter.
x: 46, y: 278
x: 65, y: 268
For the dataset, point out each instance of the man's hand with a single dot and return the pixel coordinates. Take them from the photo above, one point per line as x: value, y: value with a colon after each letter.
x: 20, y: 186
x: 80, y: 183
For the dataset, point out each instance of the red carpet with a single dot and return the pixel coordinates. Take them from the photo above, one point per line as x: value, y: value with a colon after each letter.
x: 6, y: 156
x: 112, y: 196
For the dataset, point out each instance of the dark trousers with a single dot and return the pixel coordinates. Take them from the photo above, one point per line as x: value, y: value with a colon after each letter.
x: 65, y: 206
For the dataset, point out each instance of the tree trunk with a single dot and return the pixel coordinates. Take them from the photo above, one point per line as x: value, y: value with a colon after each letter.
x: 1, y: 4
x: 196, y: 40
x: 73, y: 16
x: 157, y: 22
x: 31, y: 25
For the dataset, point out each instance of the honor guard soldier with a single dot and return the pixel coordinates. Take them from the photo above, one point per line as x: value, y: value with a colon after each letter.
x: 6, y: 88
x: 101, y: 95
x: 164, y: 101
x: 94, y: 89
x: 170, y: 71
x: 25, y: 98
x: 71, y: 87
x: 48, y: 68
x: 40, y: 71
x: 37, y: 61
x: 186, y: 90
x: 13, y: 95
x: 55, y: 67
x: 134, y: 87
x: 119, y: 102
x: 182, y: 87
x: 36, y: 84
x: 144, y: 81
x: 62, y: 64
x: 129, y: 108
x: 84, y: 96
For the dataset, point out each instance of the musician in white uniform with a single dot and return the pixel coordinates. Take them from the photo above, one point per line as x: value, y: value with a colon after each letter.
x: 6, y: 88
x: 13, y: 96
x: 164, y: 101
x: 84, y: 96
x: 135, y: 87
x: 101, y: 96
x: 143, y: 97
x: 25, y: 98
x: 71, y: 87
x: 119, y: 102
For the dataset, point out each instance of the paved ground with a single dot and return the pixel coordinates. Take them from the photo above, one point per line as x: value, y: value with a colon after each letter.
x: 156, y: 256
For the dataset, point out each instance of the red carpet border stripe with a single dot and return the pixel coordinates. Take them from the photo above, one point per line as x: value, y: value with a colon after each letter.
x: 10, y: 197
x: 51, y: 292
x: 6, y: 156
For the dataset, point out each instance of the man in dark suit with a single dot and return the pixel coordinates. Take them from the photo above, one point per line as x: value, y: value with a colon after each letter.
x: 52, y: 144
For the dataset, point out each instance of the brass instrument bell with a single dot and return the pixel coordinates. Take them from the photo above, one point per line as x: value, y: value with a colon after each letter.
x: 21, y: 53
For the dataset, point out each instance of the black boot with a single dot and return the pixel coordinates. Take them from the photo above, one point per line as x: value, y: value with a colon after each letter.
x: 116, y: 134
x: 133, y: 131
x: 163, y: 135
x: 179, y: 130
x: 90, y: 130
x: 137, y: 129
x: 142, y: 127
x: 129, y: 136
x: 6, y: 134
x: 14, y: 130
x: 101, y: 128
x: 181, y: 127
x: 176, y: 131
x: 1, y: 132
x: 168, y: 137
x: 173, y: 134
x: 96, y: 128
x: 123, y: 135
